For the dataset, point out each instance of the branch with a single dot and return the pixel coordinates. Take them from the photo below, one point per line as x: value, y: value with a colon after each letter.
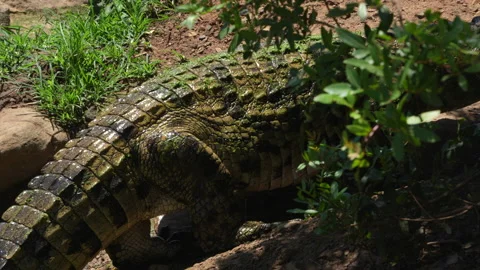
x: 445, y: 216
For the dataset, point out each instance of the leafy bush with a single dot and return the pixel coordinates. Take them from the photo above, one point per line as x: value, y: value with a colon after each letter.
x: 384, y: 87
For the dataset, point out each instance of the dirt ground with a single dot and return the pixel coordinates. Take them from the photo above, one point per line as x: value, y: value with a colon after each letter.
x: 35, y: 5
x: 295, y: 247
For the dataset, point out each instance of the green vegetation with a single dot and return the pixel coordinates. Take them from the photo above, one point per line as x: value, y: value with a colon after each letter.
x: 385, y: 175
x: 81, y: 60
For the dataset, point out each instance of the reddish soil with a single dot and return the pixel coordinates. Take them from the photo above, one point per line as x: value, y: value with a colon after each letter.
x: 296, y: 247
x: 34, y: 5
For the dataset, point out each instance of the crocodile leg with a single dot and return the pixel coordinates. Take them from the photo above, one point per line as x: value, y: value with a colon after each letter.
x: 157, y: 240
x: 199, y: 180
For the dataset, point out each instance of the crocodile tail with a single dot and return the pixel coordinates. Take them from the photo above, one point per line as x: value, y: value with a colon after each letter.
x: 84, y: 199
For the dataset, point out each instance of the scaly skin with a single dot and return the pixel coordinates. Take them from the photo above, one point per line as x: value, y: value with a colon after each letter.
x: 185, y: 140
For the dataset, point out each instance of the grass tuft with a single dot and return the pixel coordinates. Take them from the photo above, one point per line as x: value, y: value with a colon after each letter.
x: 82, y: 60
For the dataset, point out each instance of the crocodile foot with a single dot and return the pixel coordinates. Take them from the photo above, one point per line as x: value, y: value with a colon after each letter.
x: 157, y: 240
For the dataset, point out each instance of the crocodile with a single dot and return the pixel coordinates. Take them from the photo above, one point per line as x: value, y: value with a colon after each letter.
x: 195, y: 137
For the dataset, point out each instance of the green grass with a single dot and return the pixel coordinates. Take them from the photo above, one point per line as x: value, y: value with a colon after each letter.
x: 15, y: 49
x: 82, y: 60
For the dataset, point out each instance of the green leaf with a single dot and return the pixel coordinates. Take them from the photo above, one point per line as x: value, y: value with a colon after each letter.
x: 334, y: 188
x: 386, y: 19
x: 362, y: 64
x: 398, y: 151
x: 190, y: 21
x: 414, y: 120
x: 301, y: 166
x: 388, y: 72
x: 248, y: 35
x: 327, y: 36
x: 226, y: 29
x: 187, y: 8
x: 429, y: 116
x: 374, y: 52
x: 361, y: 53
x: 367, y: 30
x: 403, y: 224
x: 329, y: 99
x: 362, y: 11
x: 342, y: 192
x: 423, y: 118
x: 360, y: 163
x: 350, y: 38
x: 311, y: 212
x: 324, y: 98
x: 359, y: 129
x: 355, y: 114
x: 425, y: 135
x: 431, y: 98
x: 339, y: 89
x: 234, y: 43
x: 456, y: 28
x: 296, y: 211
x: 473, y: 68
x: 462, y: 82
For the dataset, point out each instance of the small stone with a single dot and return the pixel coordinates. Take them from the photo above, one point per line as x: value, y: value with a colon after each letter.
x: 202, y: 37
x: 192, y: 34
x: 420, y: 15
x: 338, y: 253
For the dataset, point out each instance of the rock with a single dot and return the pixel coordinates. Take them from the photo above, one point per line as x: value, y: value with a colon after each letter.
x: 4, y: 15
x: 27, y: 142
x: 192, y: 34
x: 420, y: 15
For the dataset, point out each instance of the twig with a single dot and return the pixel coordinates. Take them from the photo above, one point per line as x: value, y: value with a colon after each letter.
x: 444, y: 216
x: 419, y: 204
x: 432, y: 243
x: 328, y: 8
x: 371, y: 133
x: 325, y: 23
x: 475, y: 174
